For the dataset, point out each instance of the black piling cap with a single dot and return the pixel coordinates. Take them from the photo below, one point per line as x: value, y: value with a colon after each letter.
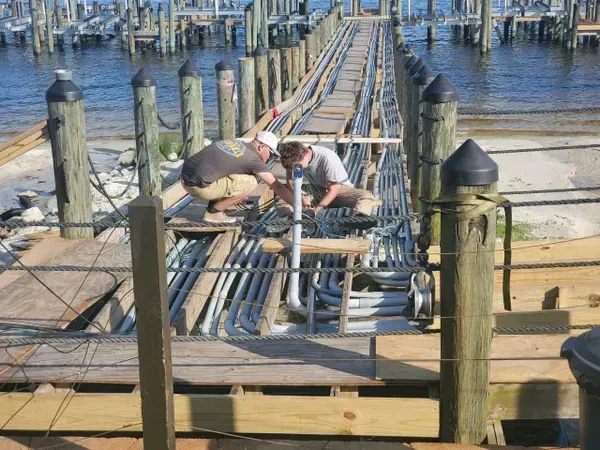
x: 424, y: 76
x: 407, y: 49
x: 469, y: 165
x: 189, y: 70
x: 260, y: 51
x: 224, y: 64
x: 410, y: 62
x: 583, y: 353
x: 440, y: 91
x: 416, y: 67
x: 161, y: 7
x: 143, y: 79
x: 63, y: 89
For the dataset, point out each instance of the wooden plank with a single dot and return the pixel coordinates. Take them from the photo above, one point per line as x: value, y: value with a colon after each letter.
x: 21, y: 150
x: 199, y: 229
x: 345, y: 307
x: 514, y: 359
x: 19, y: 137
x: 273, y: 298
x: 186, y: 318
x: 495, y: 433
x: 317, y: 245
x: 227, y: 413
x: 117, y: 306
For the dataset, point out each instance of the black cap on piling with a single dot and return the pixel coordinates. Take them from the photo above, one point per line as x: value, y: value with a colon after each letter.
x: 260, y: 51
x: 143, y: 79
x: 440, y: 91
x: 469, y: 165
x: 410, y: 62
x: 424, y: 76
x: 63, y: 89
x: 224, y: 64
x: 583, y: 353
x: 189, y: 70
x: 406, y: 49
x: 161, y: 7
x: 416, y: 67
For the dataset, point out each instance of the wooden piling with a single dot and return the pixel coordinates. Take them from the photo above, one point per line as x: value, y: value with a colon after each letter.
x: 575, y: 23
x: 192, y: 109
x: 301, y: 58
x: 420, y: 82
x: 439, y: 140
x: 66, y: 126
x: 80, y: 15
x: 228, y: 28
x: 261, y: 72
x: 35, y: 28
x: 264, y: 29
x: 431, y: 5
x: 467, y: 285
x: 58, y: 14
x: 286, y: 73
x: 409, y: 118
x: 172, y: 26
x: 256, y: 23
x: 182, y: 37
x: 248, y: 28
x: 247, y: 95
x: 485, y: 40
x: 72, y: 9
x: 274, y: 56
x: 295, y: 67
x: 311, y: 55
x: 226, y: 102
x: 406, y: 85
x: 146, y: 132
x: 130, y: 31
x: 162, y: 32
x: 148, y: 260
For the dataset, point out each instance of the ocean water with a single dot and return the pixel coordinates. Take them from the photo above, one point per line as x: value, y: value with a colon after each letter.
x: 523, y: 74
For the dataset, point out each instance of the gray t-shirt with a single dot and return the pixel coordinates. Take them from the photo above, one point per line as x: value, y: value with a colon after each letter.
x: 221, y: 159
x: 326, y: 168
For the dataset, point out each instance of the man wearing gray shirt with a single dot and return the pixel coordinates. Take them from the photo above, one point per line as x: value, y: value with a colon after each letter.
x: 327, y: 179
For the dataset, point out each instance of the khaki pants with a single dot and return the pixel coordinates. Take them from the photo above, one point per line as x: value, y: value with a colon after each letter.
x: 225, y: 187
x: 360, y: 201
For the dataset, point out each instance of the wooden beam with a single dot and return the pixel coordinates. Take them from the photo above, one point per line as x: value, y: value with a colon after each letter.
x: 345, y: 307
x: 172, y: 225
x: 19, y: 137
x: 117, y: 306
x: 312, y: 245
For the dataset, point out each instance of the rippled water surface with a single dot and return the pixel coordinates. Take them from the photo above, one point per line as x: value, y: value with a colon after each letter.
x: 524, y: 74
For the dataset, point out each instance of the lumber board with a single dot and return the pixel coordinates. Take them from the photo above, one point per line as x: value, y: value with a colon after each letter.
x: 186, y: 318
x: 414, y: 358
x: 19, y: 137
x: 366, y: 416
x: 172, y: 225
x: 117, y: 306
x: 317, y: 245
x: 13, y: 153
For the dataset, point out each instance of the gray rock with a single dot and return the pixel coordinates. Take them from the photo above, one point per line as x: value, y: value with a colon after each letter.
x: 127, y: 158
x: 32, y: 215
x: 29, y: 199
x: 104, y: 177
x: 52, y: 206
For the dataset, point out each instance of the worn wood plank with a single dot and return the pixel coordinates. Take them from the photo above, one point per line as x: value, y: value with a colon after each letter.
x: 117, y: 306
x: 19, y: 137
x: 316, y: 245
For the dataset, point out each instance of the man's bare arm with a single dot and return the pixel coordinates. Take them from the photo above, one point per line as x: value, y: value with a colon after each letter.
x: 285, y: 193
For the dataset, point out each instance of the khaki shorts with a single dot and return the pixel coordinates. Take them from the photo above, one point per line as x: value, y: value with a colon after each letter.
x: 225, y: 187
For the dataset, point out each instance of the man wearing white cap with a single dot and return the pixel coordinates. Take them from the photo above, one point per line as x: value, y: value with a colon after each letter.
x: 225, y: 173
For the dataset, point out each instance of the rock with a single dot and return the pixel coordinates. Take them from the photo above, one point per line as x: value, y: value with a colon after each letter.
x: 29, y: 199
x: 104, y: 177
x: 172, y: 156
x: 52, y: 206
x: 127, y: 158
x: 32, y: 215
x: 115, y: 173
x: 207, y: 142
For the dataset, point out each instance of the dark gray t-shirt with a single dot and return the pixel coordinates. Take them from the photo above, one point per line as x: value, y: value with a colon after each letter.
x: 221, y: 159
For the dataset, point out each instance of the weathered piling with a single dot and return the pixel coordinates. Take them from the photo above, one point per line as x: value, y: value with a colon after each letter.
x: 162, y: 32
x: 49, y: 27
x: 66, y: 126
x: 407, y: 54
x: 264, y: 29
x: 409, y: 120
x: 80, y: 13
x: 96, y: 8
x: 286, y: 73
x: 295, y: 67
x: 311, y: 54
x: 301, y: 58
x: 35, y: 28
x: 439, y: 140
x: 574, y: 25
x: 182, y: 37
x: 274, y: 56
x: 431, y: 5
x: 248, y: 28
x: 485, y: 42
x: 383, y: 7
x: 420, y: 82
x: 226, y: 102
x: 72, y: 9
x: 192, y: 108
x: 256, y: 23
x: 146, y: 132
x: 247, y: 83
x: 130, y: 31
x: 405, y: 94
x: 148, y: 260
x: 58, y: 14
x: 467, y: 287
x: 172, y: 26
x: 261, y: 67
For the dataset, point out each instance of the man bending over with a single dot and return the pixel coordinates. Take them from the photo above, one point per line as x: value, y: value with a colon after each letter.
x: 225, y: 172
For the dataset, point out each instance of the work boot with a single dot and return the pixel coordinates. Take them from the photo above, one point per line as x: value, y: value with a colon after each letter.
x: 218, y: 217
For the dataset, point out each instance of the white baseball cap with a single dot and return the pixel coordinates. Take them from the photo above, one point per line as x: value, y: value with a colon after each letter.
x: 269, y: 139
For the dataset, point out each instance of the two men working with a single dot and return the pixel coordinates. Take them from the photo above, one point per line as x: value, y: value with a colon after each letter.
x: 226, y: 172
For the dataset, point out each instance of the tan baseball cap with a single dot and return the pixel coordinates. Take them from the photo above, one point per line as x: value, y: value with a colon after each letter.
x: 270, y: 140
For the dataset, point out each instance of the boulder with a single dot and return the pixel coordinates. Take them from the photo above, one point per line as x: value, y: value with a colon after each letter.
x: 32, y: 215
x: 127, y: 158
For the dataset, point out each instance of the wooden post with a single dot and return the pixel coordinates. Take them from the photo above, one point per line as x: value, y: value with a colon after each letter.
x: 264, y: 29
x: 420, y: 81
x: 574, y: 26
x: 66, y: 126
x: 513, y: 27
x: 301, y: 58
x: 148, y: 260
x: 35, y: 28
x: 247, y: 106
x: 382, y: 7
x: 172, y: 26
x: 409, y: 118
x: 162, y: 32
x: 439, y: 140
x: 49, y: 27
x: 286, y: 73
x: 182, y: 37
x: 486, y: 26
x: 256, y: 19
x: 146, y: 132
x: 96, y: 8
x: 72, y: 9
x: 261, y: 90
x: 248, y: 28
x: 475, y: 29
x: 227, y: 31
x: 406, y: 85
x: 130, y: 31
x: 274, y: 70
x: 467, y: 288
x: 431, y: 5
x: 192, y: 109
x: 295, y: 67
x: 311, y: 54
x: 225, y: 101
x: 569, y: 24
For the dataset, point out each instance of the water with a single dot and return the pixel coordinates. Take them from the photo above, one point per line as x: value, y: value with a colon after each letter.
x: 524, y: 74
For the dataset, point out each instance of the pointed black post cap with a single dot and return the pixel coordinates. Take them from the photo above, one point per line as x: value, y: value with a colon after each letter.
x: 410, y: 62
x: 161, y: 7
x: 424, y: 76
x: 407, y: 49
x: 260, y: 51
x: 416, y: 67
x: 224, y: 64
x: 583, y: 353
x: 189, y: 70
x: 440, y: 91
x: 143, y: 79
x: 63, y: 89
x: 469, y: 165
